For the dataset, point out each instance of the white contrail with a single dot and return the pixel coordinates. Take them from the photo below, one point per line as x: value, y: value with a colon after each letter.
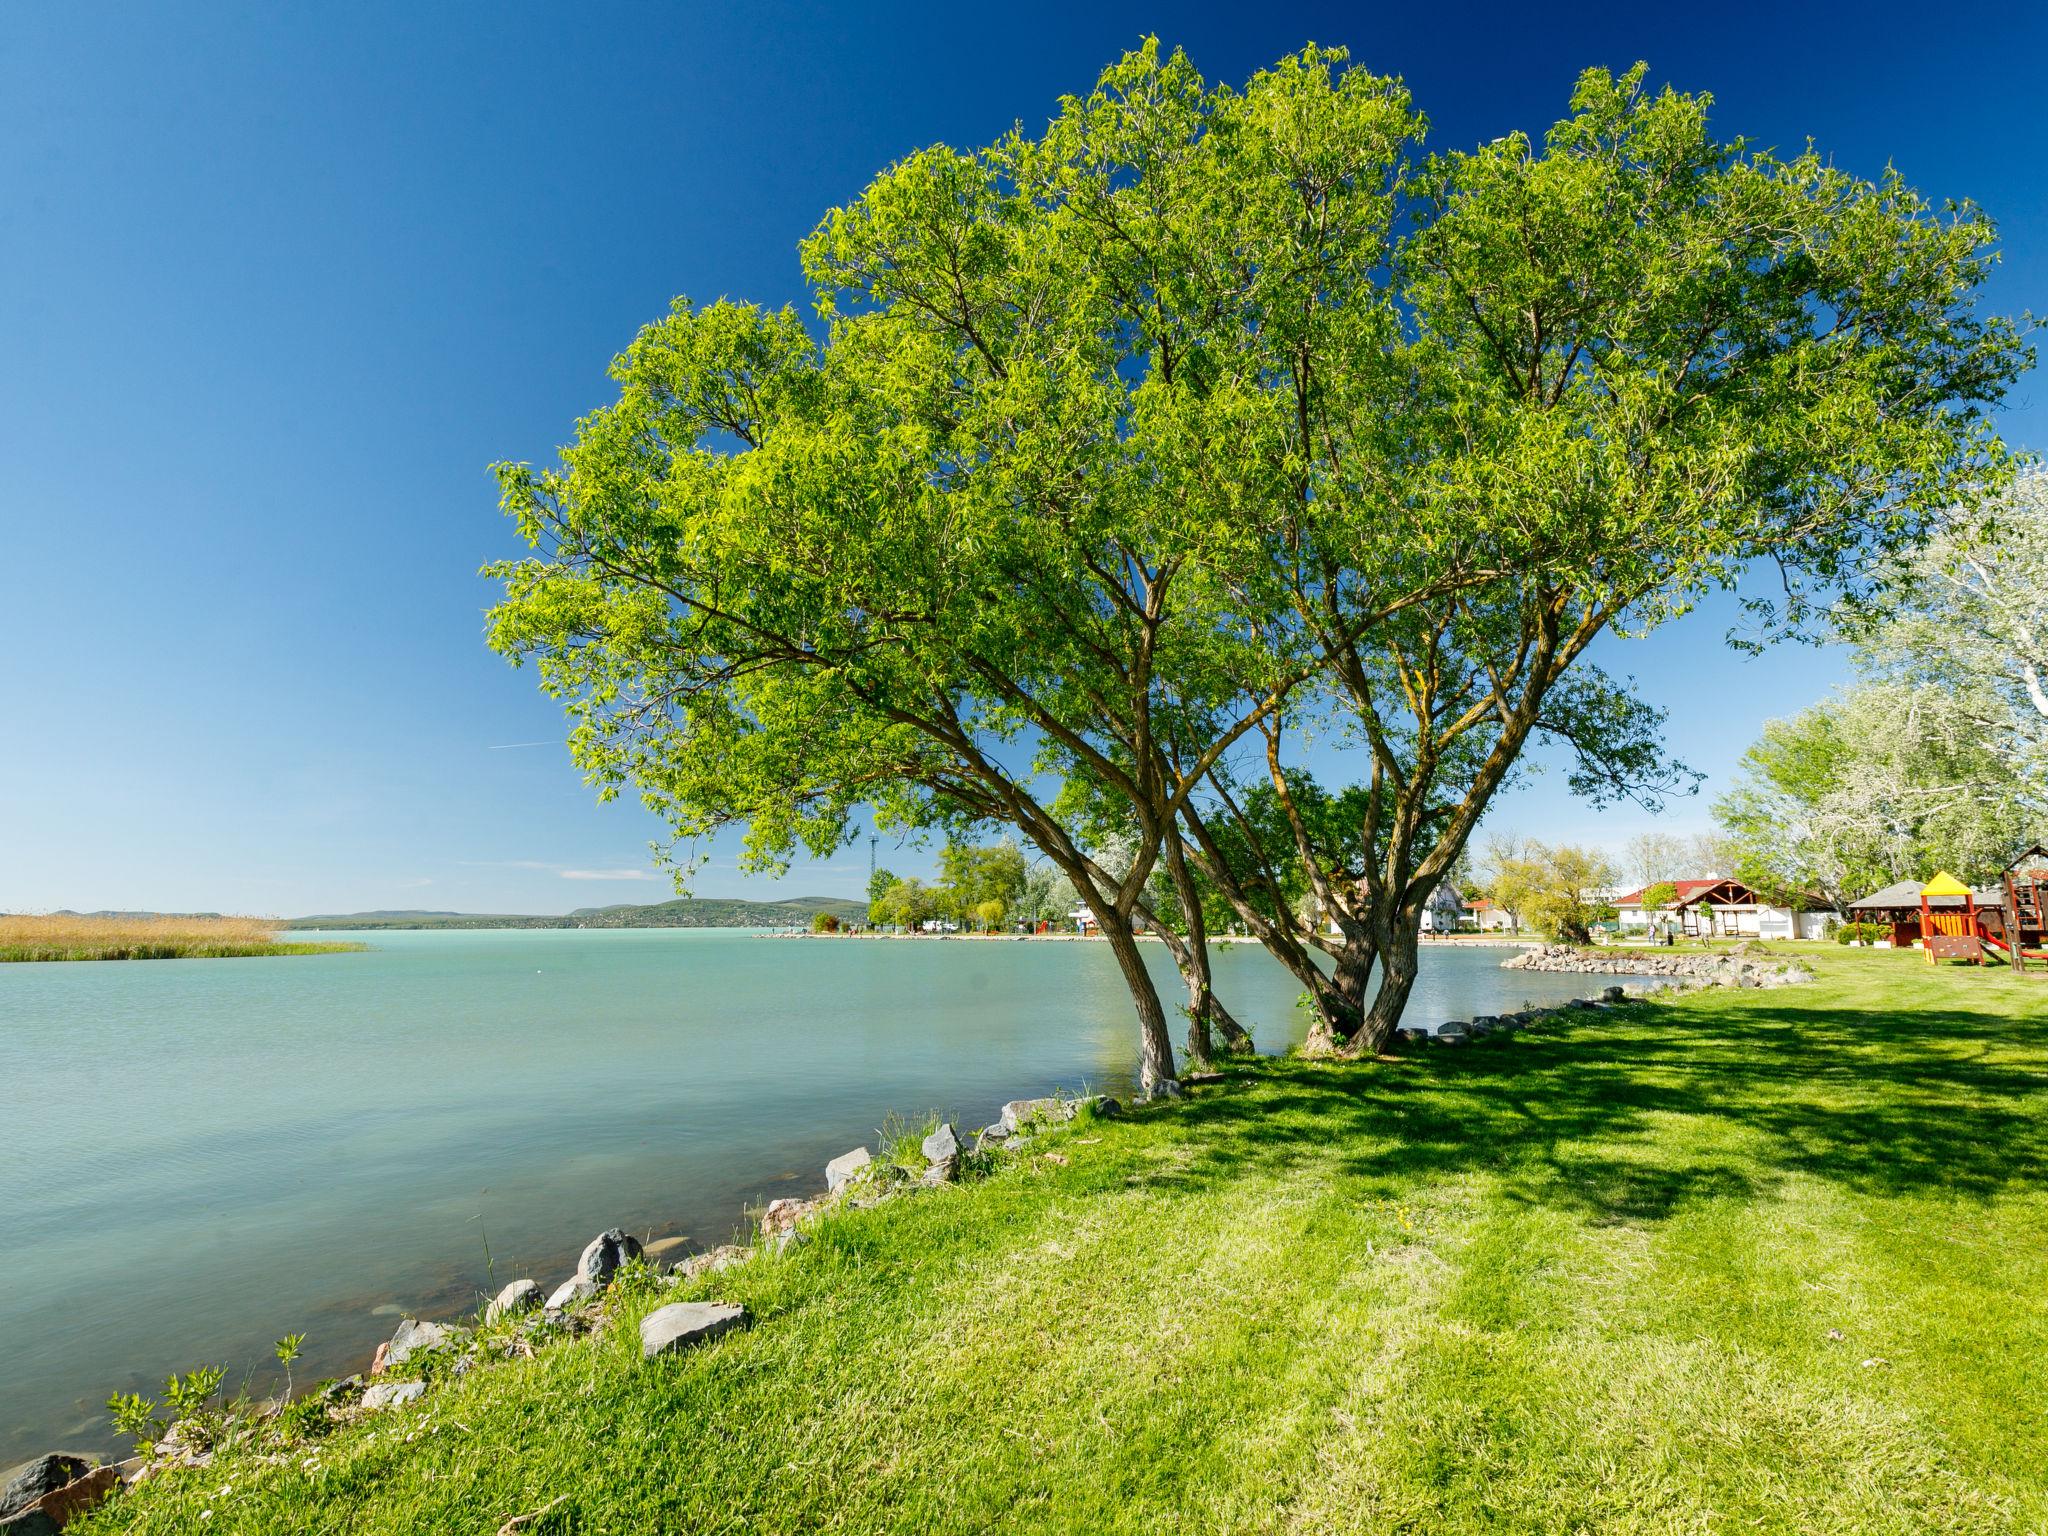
x: 511, y: 745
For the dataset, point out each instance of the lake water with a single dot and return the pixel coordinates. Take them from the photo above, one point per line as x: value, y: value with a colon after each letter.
x: 199, y: 1156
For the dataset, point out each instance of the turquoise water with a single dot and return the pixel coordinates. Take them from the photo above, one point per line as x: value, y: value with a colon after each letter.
x: 198, y: 1156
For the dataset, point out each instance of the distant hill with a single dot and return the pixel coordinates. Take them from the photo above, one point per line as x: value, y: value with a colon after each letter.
x: 684, y: 912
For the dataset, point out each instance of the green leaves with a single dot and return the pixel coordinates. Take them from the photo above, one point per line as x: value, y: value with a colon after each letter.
x: 1213, y: 417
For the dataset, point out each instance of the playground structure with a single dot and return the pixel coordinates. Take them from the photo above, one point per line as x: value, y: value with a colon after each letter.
x: 1957, y: 923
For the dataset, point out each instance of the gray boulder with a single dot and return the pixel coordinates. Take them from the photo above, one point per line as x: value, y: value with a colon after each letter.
x: 413, y: 1336
x: 32, y: 1479
x: 942, y: 1156
x: 844, y: 1167
x: 991, y: 1137
x: 783, y: 1215
x: 394, y: 1394
x: 50, y: 1512
x: 1614, y: 995
x: 571, y: 1291
x: 1019, y: 1114
x: 603, y: 1255
x: 721, y: 1257
x: 683, y: 1323
x: 520, y: 1296
x: 1101, y: 1105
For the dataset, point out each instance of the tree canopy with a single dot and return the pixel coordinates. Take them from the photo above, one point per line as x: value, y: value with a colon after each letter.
x: 1213, y: 419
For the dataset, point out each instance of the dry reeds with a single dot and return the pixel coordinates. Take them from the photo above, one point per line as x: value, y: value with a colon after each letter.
x: 68, y: 936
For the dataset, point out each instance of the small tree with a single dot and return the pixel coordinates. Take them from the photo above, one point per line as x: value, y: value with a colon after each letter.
x: 1563, y: 899
x: 824, y: 922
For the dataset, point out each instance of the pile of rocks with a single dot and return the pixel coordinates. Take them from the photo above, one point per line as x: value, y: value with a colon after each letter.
x: 1723, y: 970
x: 859, y: 1179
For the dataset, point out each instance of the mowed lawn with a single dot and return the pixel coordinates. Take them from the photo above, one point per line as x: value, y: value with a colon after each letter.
x: 1739, y: 1261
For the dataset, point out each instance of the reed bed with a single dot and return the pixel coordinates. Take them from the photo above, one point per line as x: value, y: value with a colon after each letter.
x: 68, y: 936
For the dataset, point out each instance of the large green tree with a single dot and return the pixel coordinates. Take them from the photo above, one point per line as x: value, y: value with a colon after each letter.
x: 997, y: 523
x: 1210, y: 418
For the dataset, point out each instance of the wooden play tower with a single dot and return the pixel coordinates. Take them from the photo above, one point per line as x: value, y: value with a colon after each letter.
x: 1956, y: 923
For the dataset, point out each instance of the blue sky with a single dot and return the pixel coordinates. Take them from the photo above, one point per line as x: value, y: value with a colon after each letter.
x: 278, y: 282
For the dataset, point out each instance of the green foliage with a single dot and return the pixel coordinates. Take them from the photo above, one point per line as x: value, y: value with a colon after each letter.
x: 1864, y: 933
x: 135, y: 1416
x: 287, y: 1350
x: 906, y: 904
x: 1659, y: 897
x: 824, y: 922
x: 1559, y: 897
x: 1214, y: 414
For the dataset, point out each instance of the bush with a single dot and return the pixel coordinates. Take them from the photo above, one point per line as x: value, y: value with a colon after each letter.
x: 1869, y: 933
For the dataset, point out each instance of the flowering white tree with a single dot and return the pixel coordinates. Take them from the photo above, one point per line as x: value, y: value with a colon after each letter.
x: 1887, y: 780
x: 1967, y: 613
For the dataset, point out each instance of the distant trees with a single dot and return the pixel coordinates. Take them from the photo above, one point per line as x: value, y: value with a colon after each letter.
x: 1212, y: 421
x: 1967, y: 614
x: 1650, y: 857
x: 1559, y: 890
x: 978, y: 888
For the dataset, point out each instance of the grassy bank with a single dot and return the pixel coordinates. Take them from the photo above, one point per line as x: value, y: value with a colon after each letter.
x: 1736, y: 1261
x: 71, y: 937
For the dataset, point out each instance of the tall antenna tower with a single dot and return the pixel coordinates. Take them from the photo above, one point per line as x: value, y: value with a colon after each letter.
x: 872, y: 840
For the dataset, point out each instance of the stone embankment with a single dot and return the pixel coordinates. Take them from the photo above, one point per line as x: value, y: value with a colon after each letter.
x: 1749, y: 968
x: 613, y: 1270
x: 1684, y: 972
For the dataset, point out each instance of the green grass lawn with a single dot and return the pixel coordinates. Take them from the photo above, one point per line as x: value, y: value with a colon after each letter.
x: 1739, y: 1261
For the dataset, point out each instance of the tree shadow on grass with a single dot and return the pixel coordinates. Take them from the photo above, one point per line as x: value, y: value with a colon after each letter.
x: 1631, y: 1115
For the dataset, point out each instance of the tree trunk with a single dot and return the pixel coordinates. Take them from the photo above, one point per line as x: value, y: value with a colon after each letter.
x: 1207, y: 1017
x: 1236, y: 1038
x: 1155, y: 1044
x: 1400, y: 960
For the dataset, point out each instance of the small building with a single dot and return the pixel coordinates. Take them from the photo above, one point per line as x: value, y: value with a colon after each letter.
x: 1487, y: 917
x: 1899, y: 904
x: 1445, y: 912
x: 1719, y: 907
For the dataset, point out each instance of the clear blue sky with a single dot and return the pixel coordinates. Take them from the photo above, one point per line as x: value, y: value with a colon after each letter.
x: 277, y: 282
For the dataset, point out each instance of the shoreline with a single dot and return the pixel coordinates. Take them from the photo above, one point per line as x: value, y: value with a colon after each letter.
x: 423, y: 1359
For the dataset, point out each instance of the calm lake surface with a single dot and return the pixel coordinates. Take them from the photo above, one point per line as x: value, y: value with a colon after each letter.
x: 199, y: 1156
